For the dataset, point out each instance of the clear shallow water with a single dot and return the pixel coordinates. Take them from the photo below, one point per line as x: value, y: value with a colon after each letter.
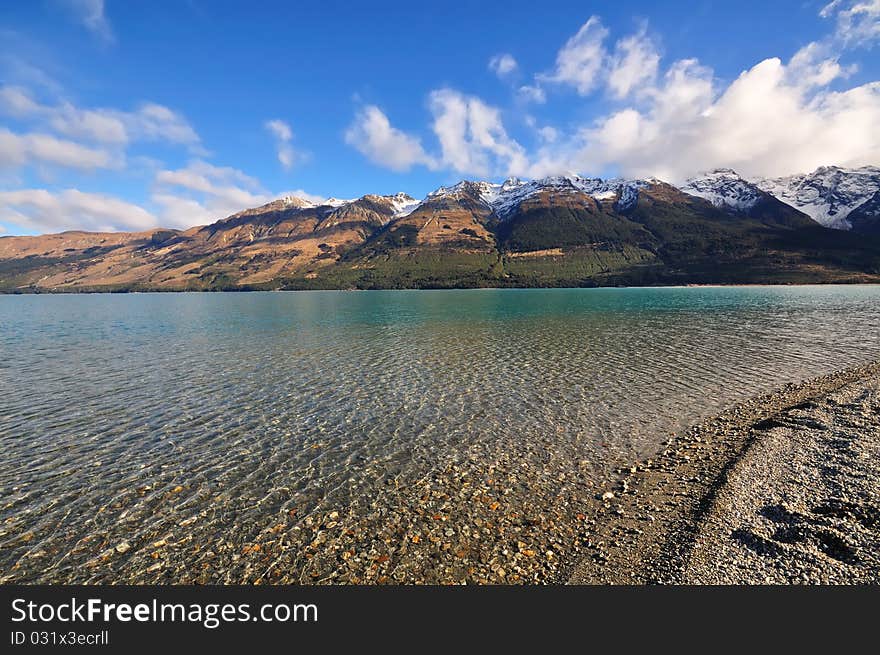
x: 126, y: 418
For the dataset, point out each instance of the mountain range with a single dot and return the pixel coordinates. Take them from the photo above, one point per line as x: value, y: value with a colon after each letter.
x: 557, y: 231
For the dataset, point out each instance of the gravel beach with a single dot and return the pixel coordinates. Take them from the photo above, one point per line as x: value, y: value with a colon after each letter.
x: 784, y: 488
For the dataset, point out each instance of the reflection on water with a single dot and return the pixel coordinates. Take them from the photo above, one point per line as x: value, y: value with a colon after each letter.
x: 128, y: 415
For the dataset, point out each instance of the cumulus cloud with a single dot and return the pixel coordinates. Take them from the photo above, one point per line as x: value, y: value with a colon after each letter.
x: 763, y: 123
x: 90, y: 13
x: 503, y: 64
x: 200, y: 175
x: 372, y: 135
x: 17, y: 150
x: 283, y: 136
x: 580, y: 61
x: 470, y: 133
x: 776, y: 118
x: 197, y: 194
x: 472, y: 136
x: 201, y: 193
x: 814, y: 65
x: 44, y: 211
x: 634, y: 65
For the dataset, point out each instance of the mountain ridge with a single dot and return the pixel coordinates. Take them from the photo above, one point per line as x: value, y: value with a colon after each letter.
x: 557, y: 231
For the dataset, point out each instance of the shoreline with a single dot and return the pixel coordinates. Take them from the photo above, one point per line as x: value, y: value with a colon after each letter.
x: 751, y: 495
x: 720, y: 285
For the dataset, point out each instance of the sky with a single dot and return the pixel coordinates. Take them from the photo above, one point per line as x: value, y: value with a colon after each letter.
x: 128, y: 114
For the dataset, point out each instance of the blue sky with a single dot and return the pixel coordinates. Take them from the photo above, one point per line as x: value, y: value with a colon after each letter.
x: 127, y: 115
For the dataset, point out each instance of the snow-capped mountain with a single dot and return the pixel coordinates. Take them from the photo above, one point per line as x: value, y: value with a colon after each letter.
x: 563, y: 230
x: 505, y: 198
x: 723, y: 187
x: 402, y: 203
x: 866, y: 217
x: 827, y: 195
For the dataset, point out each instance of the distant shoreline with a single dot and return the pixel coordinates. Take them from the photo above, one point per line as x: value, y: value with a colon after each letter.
x: 779, y: 489
x: 92, y: 292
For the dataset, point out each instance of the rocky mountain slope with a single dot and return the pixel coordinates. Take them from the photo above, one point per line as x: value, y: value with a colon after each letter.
x: 828, y: 195
x: 563, y: 230
x: 866, y: 217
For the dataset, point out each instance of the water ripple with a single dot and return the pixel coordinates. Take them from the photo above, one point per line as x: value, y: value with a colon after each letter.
x: 125, y: 417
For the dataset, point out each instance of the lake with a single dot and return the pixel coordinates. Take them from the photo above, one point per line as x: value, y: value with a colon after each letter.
x: 364, y: 436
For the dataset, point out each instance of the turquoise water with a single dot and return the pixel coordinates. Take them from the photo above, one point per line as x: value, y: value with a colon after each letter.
x: 257, y: 403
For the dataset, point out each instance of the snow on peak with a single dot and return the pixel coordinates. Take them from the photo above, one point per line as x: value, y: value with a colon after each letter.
x: 723, y: 187
x: 336, y: 202
x: 402, y: 204
x: 506, y: 197
x: 828, y: 195
x: 296, y: 201
x: 629, y: 192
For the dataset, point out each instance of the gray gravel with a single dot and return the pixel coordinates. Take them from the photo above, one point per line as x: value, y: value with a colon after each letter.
x: 784, y: 488
x: 803, y: 505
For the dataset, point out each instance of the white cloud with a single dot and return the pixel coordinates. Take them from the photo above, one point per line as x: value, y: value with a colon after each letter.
x: 16, y: 66
x: 776, y: 118
x: 202, y: 193
x: 532, y: 93
x: 815, y: 66
x: 548, y: 133
x: 470, y: 133
x: 857, y: 22
x: 16, y: 101
x: 200, y: 175
x: 197, y: 194
x: 580, y: 61
x: 283, y: 136
x: 45, y: 211
x: 472, y: 137
x: 761, y: 124
x: 99, y: 126
x: 372, y: 135
x: 184, y: 212
x: 155, y: 122
x: 633, y: 66
x: 18, y: 150
x: 285, y: 156
x: 280, y: 129
x: 92, y: 16
x: 148, y: 122
x: 503, y: 64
